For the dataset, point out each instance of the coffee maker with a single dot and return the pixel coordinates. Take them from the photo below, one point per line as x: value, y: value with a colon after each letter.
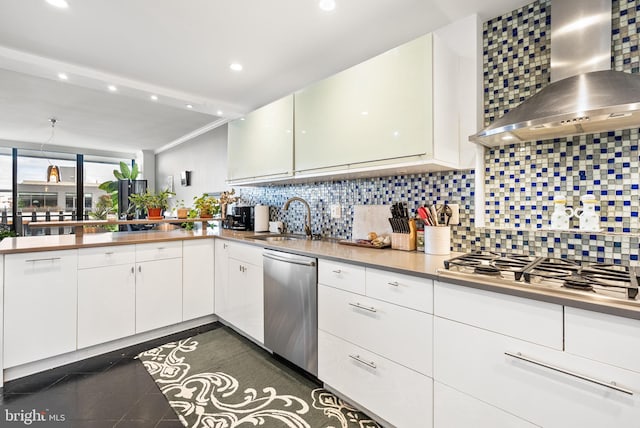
x: 241, y: 219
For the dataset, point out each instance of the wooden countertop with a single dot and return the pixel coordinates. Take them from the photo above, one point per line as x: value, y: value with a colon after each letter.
x: 405, y: 262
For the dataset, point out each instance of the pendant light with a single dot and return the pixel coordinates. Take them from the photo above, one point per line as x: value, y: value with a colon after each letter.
x: 53, y: 172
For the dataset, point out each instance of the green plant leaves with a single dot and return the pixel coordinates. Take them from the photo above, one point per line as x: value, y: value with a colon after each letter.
x: 118, y: 175
x: 134, y: 172
x: 124, y: 169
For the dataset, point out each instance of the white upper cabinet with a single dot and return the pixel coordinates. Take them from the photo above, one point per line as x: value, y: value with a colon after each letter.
x: 379, y: 110
x: 408, y: 110
x: 260, y: 145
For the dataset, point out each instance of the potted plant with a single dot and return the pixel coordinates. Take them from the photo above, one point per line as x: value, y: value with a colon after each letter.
x: 154, y: 203
x: 181, y: 210
x: 207, y: 206
x: 6, y: 232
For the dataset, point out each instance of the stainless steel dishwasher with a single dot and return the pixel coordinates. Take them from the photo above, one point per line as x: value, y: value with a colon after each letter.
x: 291, y: 308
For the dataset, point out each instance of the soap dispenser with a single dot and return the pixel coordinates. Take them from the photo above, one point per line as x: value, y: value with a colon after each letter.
x: 561, y: 214
x: 589, y: 218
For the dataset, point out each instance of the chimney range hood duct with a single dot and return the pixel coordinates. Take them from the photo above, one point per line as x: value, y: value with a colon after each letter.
x: 585, y: 95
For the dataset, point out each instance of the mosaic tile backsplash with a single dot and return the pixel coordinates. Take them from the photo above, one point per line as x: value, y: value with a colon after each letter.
x: 521, y: 181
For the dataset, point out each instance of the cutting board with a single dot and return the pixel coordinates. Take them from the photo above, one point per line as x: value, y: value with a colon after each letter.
x: 370, y: 218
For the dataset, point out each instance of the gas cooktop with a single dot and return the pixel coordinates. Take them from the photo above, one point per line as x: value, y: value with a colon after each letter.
x: 616, y: 281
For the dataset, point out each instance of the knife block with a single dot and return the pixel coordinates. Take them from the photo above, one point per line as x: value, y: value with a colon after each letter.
x: 405, y: 241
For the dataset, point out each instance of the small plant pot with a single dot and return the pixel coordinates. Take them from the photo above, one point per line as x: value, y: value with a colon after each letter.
x: 154, y: 213
x: 183, y: 212
x: 206, y: 215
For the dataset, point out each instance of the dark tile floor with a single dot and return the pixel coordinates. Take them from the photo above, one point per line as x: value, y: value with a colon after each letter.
x: 110, y: 390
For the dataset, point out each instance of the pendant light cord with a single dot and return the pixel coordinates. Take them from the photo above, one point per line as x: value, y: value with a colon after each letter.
x: 53, y: 133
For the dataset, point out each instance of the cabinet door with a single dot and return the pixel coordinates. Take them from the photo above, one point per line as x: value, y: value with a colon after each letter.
x: 378, y: 110
x: 246, y: 298
x: 221, y: 274
x: 40, y: 304
x: 106, y: 304
x: 261, y: 143
x: 556, y: 394
x: 197, y: 278
x: 158, y: 294
x: 453, y: 409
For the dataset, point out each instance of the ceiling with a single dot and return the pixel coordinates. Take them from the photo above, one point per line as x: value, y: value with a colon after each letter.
x: 181, y: 51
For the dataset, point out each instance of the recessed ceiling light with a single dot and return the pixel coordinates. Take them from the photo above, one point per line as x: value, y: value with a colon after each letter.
x: 62, y: 76
x: 62, y: 4
x: 327, y: 5
x: 507, y: 137
x: 235, y: 66
x: 112, y: 88
x: 189, y: 106
x: 154, y: 97
x: 219, y: 112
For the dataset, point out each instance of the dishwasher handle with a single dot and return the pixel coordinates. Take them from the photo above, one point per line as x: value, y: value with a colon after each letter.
x: 288, y: 260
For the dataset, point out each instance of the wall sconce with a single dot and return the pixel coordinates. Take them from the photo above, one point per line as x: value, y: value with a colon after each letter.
x: 185, y: 178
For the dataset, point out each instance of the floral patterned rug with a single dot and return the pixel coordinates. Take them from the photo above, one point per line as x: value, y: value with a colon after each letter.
x: 219, y: 379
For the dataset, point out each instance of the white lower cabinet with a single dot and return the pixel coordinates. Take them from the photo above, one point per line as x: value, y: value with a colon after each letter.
x: 395, y: 393
x: 453, y: 409
x: 221, y: 275
x: 607, y: 338
x: 106, y: 304
x: 551, y: 389
x: 197, y: 278
x: 377, y: 351
x: 400, y: 334
x: 158, y: 294
x: 239, y: 293
x: 246, y: 298
x: 40, y: 295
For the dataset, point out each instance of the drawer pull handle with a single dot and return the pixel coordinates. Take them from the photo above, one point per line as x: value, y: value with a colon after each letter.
x: 611, y: 385
x: 394, y: 283
x: 337, y: 271
x: 140, y: 269
x: 50, y: 259
x: 133, y: 270
x: 160, y: 248
x: 366, y: 363
x: 108, y: 253
x: 366, y: 308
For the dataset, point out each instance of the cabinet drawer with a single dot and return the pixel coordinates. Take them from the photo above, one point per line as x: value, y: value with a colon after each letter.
x: 399, y: 395
x: 409, y: 291
x: 342, y: 275
x: 526, y: 319
x: 400, y: 334
x: 158, y: 251
x: 246, y: 253
x: 106, y: 256
x: 473, y: 361
x: 448, y: 405
x: 606, y: 338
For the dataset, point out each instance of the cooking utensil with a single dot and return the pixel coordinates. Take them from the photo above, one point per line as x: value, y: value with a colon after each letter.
x: 448, y: 212
x: 434, y: 214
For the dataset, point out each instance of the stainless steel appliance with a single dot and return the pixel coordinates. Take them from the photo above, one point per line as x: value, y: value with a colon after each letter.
x: 291, y: 308
x: 563, y: 275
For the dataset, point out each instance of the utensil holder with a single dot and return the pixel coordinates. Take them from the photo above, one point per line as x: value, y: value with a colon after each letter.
x: 405, y: 241
x: 437, y: 240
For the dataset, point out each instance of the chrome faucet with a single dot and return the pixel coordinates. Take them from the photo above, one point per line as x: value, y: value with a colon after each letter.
x: 307, y: 227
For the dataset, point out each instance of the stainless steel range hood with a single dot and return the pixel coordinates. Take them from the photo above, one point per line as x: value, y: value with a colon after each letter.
x: 585, y: 96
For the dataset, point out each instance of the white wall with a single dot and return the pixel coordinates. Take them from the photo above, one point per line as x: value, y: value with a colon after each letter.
x: 205, y: 156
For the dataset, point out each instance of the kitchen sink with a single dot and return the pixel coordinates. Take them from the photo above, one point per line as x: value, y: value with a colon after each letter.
x: 280, y: 237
